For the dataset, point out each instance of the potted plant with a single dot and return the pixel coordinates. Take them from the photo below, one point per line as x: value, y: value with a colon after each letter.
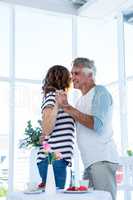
x: 129, y: 152
x: 31, y: 141
x: 31, y: 136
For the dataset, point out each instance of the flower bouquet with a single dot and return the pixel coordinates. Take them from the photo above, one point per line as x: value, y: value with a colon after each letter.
x: 50, y: 187
x: 52, y: 155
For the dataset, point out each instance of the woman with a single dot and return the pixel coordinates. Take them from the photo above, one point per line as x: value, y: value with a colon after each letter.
x: 57, y: 126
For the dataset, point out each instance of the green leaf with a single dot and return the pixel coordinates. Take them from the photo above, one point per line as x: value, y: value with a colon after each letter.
x: 129, y: 152
x: 31, y: 135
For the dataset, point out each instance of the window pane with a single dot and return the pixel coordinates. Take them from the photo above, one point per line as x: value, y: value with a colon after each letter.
x: 4, y: 133
x: 128, y: 48
x: 28, y: 103
x: 97, y: 41
x: 116, y: 116
x: 120, y: 195
x: 129, y: 107
x: 42, y: 40
x: 4, y: 41
x: 4, y: 108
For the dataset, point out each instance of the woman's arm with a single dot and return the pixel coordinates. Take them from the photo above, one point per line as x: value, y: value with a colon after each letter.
x: 49, y: 118
x: 48, y: 121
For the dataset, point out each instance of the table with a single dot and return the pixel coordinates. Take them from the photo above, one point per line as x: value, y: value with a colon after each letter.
x: 92, y: 195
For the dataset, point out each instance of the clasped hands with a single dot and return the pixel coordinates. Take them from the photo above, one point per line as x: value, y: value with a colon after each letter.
x: 61, y: 98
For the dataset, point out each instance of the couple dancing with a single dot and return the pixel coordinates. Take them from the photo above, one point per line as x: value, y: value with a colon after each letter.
x: 91, y: 116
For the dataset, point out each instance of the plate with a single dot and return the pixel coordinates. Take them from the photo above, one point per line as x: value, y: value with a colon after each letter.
x: 76, y: 192
x: 33, y: 192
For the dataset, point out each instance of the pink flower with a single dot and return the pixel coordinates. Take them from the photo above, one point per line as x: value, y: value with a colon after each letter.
x: 58, y: 155
x: 52, y: 155
x: 46, y: 146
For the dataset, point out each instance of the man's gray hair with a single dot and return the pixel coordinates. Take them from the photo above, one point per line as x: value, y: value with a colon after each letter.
x: 87, y: 64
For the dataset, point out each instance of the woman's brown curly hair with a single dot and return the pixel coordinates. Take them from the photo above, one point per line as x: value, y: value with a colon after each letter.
x: 57, y: 78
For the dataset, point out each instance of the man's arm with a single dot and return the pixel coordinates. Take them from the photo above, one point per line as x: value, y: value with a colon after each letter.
x: 82, y: 118
x: 100, y: 108
x: 86, y: 120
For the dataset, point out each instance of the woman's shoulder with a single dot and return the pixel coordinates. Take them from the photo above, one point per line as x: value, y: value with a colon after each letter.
x: 48, y: 100
x: 49, y: 96
x: 51, y: 93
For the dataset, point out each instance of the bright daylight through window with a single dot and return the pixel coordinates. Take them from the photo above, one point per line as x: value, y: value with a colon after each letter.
x: 39, y: 40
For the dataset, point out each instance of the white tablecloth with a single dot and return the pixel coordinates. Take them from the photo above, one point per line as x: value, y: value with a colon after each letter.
x: 92, y: 195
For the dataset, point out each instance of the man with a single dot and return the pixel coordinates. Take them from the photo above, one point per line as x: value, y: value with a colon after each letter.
x: 93, y: 115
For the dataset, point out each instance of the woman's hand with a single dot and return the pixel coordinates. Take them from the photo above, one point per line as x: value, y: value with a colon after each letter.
x: 61, y: 98
x: 42, y: 138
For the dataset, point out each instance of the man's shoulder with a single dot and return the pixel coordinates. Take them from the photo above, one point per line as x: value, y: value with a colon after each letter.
x: 102, y: 92
x: 101, y: 88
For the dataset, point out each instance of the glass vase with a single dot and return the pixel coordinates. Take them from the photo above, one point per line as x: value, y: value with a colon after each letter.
x: 50, y: 181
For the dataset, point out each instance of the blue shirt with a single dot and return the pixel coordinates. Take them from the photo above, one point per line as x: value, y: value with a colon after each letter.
x: 101, y: 104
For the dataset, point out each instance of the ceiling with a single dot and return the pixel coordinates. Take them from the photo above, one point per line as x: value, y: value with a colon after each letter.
x: 78, y: 3
x: 100, y: 9
x: 60, y: 6
x: 96, y: 9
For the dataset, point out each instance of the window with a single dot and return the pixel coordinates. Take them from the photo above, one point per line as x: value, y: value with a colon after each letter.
x: 4, y: 95
x: 27, y: 107
x: 129, y: 116
x: 116, y: 115
x: 4, y: 41
x: 97, y: 41
x: 4, y: 131
x: 128, y: 31
x: 42, y: 40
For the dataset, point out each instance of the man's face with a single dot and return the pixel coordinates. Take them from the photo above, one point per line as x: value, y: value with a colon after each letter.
x: 79, y: 78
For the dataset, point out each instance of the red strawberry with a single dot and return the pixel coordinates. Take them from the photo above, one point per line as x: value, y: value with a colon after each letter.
x: 69, y: 189
x: 41, y: 185
x: 73, y: 188
x: 82, y: 188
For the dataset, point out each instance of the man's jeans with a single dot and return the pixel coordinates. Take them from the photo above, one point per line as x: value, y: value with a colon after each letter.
x: 59, y: 167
